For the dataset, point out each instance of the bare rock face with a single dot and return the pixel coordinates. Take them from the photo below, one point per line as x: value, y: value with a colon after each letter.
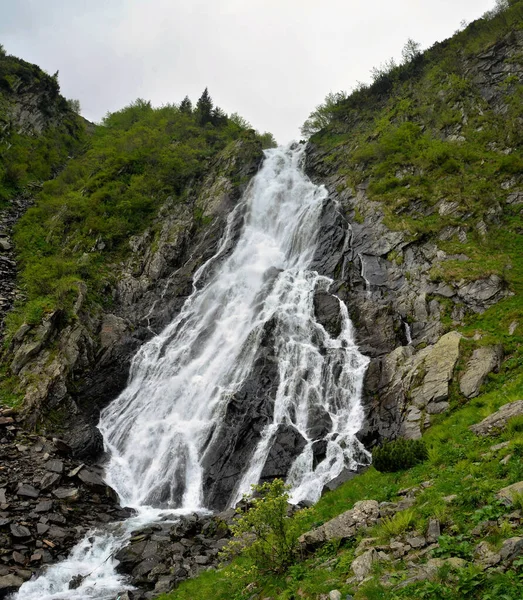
x: 344, y: 526
x: 408, y: 387
x: 497, y: 421
x: 484, y: 360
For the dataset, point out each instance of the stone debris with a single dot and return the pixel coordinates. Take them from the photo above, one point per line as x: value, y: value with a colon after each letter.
x: 37, y: 525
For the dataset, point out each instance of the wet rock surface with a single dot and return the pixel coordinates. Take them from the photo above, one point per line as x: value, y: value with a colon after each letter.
x: 48, y: 502
x: 162, y: 555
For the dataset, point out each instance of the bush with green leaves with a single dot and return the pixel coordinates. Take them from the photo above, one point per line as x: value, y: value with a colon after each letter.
x: 265, y: 533
x: 399, y: 454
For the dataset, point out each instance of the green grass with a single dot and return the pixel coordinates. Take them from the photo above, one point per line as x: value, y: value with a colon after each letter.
x: 456, y: 456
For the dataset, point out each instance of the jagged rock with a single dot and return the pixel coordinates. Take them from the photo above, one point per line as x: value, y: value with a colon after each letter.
x: 344, y: 526
x: 56, y: 466
x: 485, y: 557
x: 481, y: 294
x: 362, y: 565
x: 410, y: 386
x: 327, y: 311
x: 28, y: 491
x: 433, y: 531
x: 511, y: 549
x: 19, y: 531
x: 484, y: 360
x: 70, y: 494
x: 416, y: 541
x: 497, y: 421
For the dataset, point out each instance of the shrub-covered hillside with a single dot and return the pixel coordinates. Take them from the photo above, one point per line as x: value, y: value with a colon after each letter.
x: 38, y: 130
x: 82, y: 220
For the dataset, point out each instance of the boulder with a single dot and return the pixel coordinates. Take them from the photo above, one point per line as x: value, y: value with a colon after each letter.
x: 364, y: 514
x: 483, y: 361
x: 511, y: 549
x: 362, y: 565
x: 9, y: 584
x: 497, y: 421
x: 507, y: 494
x: 484, y: 556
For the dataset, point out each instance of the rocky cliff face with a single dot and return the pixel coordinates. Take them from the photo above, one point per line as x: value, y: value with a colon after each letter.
x: 404, y: 316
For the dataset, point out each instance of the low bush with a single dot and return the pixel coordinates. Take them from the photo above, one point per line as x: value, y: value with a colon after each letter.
x: 398, y: 455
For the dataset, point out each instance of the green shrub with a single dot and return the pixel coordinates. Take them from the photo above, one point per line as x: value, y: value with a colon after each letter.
x: 399, y: 454
x: 265, y: 533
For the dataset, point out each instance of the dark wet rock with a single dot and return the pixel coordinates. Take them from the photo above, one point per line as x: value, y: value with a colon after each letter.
x: 328, y: 313
x: 28, y: 490
x: 345, y: 475
x: 56, y: 466
x: 86, y: 442
x: 49, y: 480
x: 63, y: 493
x: 19, y: 531
x: 288, y: 444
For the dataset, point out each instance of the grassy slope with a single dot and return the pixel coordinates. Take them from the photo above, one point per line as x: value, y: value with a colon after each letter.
x: 400, y: 129
x: 27, y: 159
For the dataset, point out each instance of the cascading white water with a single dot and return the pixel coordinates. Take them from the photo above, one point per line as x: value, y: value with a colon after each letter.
x: 181, y: 381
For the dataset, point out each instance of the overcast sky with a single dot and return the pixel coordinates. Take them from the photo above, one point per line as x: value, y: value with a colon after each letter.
x: 272, y: 61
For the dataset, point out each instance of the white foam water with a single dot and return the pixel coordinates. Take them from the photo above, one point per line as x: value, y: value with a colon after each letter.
x: 180, y: 382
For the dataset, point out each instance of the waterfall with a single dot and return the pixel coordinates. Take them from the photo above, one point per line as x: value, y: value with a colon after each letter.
x: 160, y: 427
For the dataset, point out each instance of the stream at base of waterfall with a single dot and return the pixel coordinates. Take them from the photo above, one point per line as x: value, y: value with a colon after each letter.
x: 158, y: 431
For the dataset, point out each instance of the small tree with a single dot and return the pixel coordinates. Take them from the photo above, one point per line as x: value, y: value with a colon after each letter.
x: 204, y: 108
x: 218, y: 117
x: 74, y: 105
x: 323, y: 114
x: 411, y: 51
x: 265, y: 533
x: 2, y: 50
x: 186, y: 105
x: 240, y: 121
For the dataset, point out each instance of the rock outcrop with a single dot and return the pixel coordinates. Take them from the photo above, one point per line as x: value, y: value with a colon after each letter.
x: 498, y: 420
x: 483, y: 361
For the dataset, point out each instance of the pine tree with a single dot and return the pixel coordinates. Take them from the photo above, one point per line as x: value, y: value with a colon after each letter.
x: 218, y: 117
x: 204, y: 108
x: 186, y: 105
